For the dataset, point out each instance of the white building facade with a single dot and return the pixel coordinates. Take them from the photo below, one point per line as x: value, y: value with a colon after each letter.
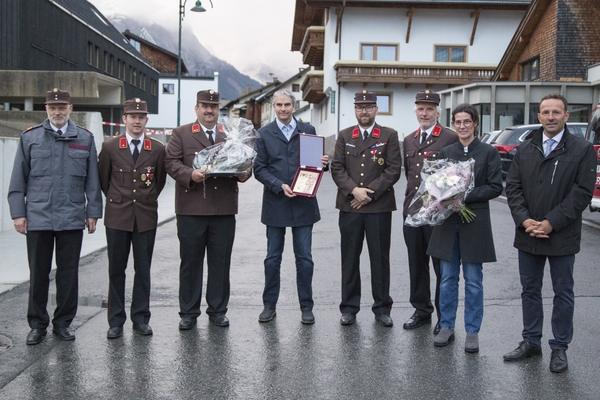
x: 396, y: 49
x: 166, y: 119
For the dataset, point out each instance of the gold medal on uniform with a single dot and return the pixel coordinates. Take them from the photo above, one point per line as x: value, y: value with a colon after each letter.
x: 143, y: 177
x: 380, y: 161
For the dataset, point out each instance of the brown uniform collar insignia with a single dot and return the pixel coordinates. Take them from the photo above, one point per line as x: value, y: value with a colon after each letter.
x: 355, y: 133
x: 376, y: 132
x: 123, y: 143
x: 436, y: 131
x: 196, y: 128
x: 220, y: 128
x: 147, y: 144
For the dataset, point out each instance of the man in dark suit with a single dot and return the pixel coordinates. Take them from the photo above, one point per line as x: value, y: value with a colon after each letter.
x: 275, y: 166
x: 425, y: 143
x: 132, y: 175
x: 366, y: 165
x: 205, y: 207
x: 549, y: 184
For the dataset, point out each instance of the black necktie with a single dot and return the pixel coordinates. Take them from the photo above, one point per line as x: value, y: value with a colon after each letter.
x: 423, y: 137
x: 136, y: 152
x: 365, y: 135
x: 59, y: 132
x: 210, y: 137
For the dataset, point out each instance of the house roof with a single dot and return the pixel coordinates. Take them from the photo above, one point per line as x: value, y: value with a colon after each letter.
x: 520, y: 39
x: 89, y: 15
x: 148, y: 43
x: 310, y: 12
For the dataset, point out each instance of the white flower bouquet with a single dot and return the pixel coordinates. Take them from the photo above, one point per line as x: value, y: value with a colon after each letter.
x: 444, y: 186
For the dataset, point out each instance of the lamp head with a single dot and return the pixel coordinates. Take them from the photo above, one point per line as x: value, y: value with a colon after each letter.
x: 198, y: 7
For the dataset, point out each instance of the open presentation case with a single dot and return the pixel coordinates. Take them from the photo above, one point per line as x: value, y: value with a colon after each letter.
x: 309, y: 174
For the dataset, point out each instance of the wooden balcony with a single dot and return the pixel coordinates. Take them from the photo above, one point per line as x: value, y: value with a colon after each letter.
x: 313, y: 46
x: 411, y: 72
x: 312, y: 87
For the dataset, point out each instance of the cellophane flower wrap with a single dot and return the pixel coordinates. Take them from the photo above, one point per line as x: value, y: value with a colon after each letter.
x: 444, y: 186
x: 233, y: 156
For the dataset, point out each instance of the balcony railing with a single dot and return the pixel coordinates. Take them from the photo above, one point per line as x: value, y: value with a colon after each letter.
x: 313, y: 46
x: 403, y: 72
x: 312, y: 87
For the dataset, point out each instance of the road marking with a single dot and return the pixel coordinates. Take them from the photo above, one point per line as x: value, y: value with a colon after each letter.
x: 592, y: 224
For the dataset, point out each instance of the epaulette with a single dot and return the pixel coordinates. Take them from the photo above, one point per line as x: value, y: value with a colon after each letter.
x: 156, y: 140
x: 32, y: 127
x: 84, y: 128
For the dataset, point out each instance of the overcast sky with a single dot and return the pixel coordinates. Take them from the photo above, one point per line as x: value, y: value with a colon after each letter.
x: 249, y: 34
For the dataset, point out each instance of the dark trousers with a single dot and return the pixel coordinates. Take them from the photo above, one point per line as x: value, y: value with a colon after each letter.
x: 417, y: 240
x: 531, y: 269
x: 199, y: 234
x: 119, y: 244
x: 302, y: 239
x: 40, y: 247
x: 378, y: 230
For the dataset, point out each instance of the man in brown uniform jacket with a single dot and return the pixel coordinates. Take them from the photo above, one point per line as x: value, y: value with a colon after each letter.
x: 132, y: 175
x: 205, y: 208
x: 424, y: 143
x: 366, y: 165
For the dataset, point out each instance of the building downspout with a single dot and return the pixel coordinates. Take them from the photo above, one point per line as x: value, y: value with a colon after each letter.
x: 340, y: 13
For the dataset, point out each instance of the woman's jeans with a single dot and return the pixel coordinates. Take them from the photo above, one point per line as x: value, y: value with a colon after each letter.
x: 473, y: 275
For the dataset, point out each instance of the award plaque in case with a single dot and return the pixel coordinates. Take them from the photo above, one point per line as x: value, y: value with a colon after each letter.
x: 308, y: 176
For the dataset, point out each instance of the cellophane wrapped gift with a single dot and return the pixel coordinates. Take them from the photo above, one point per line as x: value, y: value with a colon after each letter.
x: 444, y: 186
x: 233, y: 156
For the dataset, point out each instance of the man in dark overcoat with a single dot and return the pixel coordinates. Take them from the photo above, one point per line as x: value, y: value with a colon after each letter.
x: 276, y: 163
x: 424, y: 144
x: 366, y: 165
x: 54, y: 193
x: 205, y: 207
x: 549, y: 185
x: 132, y: 175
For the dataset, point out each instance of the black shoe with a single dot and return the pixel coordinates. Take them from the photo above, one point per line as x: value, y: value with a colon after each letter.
x: 348, y: 319
x: 187, y: 323
x: 36, y: 336
x: 384, y: 319
x: 437, y: 329
x: 219, y: 320
x: 267, y: 314
x: 142, y: 329
x: 558, y: 361
x: 114, y: 332
x: 416, y: 321
x: 64, y: 333
x: 524, y: 350
x: 308, y: 317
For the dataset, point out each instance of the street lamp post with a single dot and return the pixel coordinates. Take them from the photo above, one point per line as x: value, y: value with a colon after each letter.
x: 197, y: 8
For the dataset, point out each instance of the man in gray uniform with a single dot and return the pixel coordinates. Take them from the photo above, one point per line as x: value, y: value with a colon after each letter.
x: 55, y: 172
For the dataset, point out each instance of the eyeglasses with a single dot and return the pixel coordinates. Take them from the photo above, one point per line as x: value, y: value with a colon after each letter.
x: 466, y: 123
x: 364, y: 108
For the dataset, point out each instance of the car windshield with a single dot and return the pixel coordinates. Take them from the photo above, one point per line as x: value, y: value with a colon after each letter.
x: 508, y: 136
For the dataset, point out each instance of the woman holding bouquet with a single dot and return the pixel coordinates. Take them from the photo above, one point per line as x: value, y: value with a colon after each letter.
x: 457, y: 241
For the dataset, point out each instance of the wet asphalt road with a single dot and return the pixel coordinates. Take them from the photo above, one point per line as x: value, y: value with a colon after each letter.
x: 287, y: 360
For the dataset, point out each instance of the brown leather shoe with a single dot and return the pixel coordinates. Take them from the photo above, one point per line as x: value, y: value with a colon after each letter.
x: 524, y: 350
